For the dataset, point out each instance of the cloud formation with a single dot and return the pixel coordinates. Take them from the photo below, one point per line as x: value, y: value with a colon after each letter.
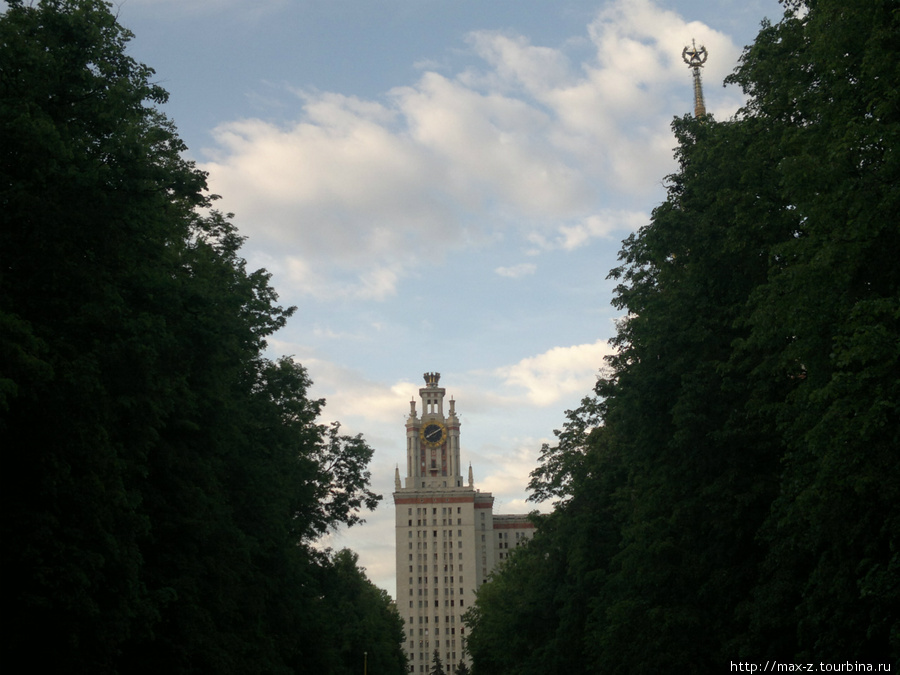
x: 516, y: 271
x: 355, y: 195
x: 558, y: 372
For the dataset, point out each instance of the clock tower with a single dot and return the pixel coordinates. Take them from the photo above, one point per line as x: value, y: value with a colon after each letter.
x: 432, y: 440
x: 448, y: 537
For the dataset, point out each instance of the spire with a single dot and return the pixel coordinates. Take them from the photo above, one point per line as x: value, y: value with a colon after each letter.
x: 695, y: 57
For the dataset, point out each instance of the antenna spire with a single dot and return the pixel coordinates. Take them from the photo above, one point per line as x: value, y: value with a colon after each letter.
x: 695, y: 57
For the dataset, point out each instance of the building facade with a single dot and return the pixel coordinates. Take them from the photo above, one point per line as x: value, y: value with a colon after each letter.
x: 448, y: 538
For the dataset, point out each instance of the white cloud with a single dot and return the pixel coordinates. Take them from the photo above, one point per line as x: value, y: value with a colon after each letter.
x: 558, y: 372
x: 516, y: 271
x: 355, y: 195
x: 603, y: 225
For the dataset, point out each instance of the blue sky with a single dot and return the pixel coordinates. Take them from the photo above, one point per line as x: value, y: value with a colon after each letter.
x: 440, y: 185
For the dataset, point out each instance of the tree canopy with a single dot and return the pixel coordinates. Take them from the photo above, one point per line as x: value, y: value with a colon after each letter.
x: 163, y: 481
x: 730, y: 492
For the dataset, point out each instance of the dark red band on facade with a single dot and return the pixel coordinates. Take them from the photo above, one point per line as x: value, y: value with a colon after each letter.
x: 433, y: 500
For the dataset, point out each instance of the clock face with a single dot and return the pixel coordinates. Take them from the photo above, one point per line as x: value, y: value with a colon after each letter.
x: 433, y: 433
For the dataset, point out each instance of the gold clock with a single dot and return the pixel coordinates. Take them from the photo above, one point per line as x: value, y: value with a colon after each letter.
x: 433, y: 433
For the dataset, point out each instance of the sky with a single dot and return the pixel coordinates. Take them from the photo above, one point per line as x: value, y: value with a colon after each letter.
x: 440, y: 185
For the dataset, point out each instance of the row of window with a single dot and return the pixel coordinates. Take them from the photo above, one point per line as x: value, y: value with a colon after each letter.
x: 425, y: 644
x: 435, y: 578
x: 423, y: 511
x: 423, y: 546
x: 423, y: 534
x: 448, y: 618
x: 437, y: 631
x: 437, y: 603
x: 423, y: 666
x: 444, y: 522
x: 447, y: 591
x: 447, y: 568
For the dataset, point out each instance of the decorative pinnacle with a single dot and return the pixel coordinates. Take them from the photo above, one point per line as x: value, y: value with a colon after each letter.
x: 432, y: 379
x: 695, y: 57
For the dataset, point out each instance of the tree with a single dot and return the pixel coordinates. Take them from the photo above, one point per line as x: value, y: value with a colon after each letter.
x: 462, y: 668
x: 736, y: 471
x: 437, y: 668
x: 96, y: 203
x: 827, y: 320
x: 163, y: 482
x: 362, y: 618
x: 533, y: 615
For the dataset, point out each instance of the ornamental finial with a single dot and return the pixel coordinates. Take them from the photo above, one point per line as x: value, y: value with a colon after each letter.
x: 432, y: 379
x: 695, y: 57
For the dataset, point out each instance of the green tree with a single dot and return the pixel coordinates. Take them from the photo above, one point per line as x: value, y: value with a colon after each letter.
x: 533, y: 614
x: 162, y: 481
x: 362, y: 619
x: 96, y: 213
x: 736, y: 473
x: 827, y: 321
x: 437, y: 668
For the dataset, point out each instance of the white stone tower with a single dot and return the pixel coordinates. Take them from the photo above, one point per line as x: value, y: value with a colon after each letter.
x: 445, y: 534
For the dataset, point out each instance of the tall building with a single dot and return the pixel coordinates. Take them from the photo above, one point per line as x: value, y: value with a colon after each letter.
x: 448, y: 537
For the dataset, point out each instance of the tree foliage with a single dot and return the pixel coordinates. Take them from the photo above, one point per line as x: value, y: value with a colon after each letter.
x: 437, y: 666
x: 363, y: 621
x: 731, y: 490
x: 163, y: 482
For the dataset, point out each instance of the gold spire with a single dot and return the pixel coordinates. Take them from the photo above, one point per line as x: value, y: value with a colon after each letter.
x: 695, y: 57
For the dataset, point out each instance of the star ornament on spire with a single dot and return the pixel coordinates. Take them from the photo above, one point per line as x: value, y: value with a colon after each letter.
x: 694, y: 56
